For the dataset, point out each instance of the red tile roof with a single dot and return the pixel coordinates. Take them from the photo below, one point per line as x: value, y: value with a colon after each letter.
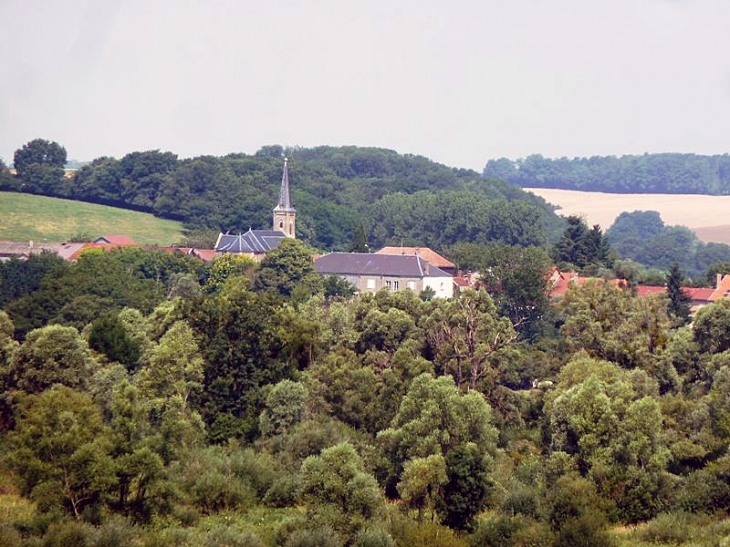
x: 562, y: 281
x: 646, y: 290
x: 429, y: 255
x: 206, y: 255
x: 699, y: 294
x: 463, y: 282
x: 722, y: 288
x: 117, y: 239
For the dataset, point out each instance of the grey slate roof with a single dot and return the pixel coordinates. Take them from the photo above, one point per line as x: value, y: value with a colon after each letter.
x: 253, y: 241
x: 377, y: 265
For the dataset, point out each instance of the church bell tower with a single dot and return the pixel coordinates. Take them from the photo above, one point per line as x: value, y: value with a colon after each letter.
x: 285, y: 216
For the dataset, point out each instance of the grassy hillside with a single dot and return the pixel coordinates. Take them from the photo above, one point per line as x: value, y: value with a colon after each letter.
x: 26, y: 217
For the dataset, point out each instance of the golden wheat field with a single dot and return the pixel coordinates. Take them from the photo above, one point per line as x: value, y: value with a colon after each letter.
x: 708, y: 216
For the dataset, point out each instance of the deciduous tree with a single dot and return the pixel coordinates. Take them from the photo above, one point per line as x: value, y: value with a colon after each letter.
x: 60, y: 449
x: 465, y: 335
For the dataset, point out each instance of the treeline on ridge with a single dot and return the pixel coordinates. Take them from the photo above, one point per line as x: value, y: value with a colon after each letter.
x: 403, y: 199
x: 645, y: 174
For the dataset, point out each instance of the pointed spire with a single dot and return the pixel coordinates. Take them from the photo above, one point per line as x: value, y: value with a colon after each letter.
x: 284, y: 197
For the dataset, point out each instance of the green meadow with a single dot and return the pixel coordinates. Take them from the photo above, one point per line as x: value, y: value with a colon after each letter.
x: 25, y: 217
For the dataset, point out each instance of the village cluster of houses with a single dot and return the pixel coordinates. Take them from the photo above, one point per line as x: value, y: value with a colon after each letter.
x: 559, y: 283
x: 396, y: 268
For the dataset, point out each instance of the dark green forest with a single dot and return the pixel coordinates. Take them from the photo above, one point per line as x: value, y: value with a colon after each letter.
x: 643, y: 237
x: 645, y: 174
x: 151, y: 399
x: 400, y: 199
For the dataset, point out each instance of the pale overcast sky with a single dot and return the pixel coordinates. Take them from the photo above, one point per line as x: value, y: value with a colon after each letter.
x: 459, y: 82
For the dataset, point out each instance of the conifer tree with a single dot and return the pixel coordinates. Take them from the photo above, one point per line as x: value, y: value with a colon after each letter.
x: 679, y: 301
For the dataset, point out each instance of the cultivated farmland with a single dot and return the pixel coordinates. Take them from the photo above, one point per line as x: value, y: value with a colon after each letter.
x: 708, y: 216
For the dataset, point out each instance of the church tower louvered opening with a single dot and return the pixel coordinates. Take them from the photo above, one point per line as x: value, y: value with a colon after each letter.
x: 285, y: 216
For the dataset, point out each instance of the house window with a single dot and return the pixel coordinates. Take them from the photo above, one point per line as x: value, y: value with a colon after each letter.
x: 370, y: 284
x: 388, y: 283
x: 412, y: 285
x: 395, y: 285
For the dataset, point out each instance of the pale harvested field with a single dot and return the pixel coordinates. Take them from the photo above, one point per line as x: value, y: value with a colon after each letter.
x: 708, y: 216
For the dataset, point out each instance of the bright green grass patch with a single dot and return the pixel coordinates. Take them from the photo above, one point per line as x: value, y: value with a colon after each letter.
x: 25, y: 217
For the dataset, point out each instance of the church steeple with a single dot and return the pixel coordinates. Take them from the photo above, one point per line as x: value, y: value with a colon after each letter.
x: 285, y: 215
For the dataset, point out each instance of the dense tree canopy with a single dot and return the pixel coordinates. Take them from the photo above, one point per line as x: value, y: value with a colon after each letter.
x: 337, y: 191
x: 147, y: 398
x: 643, y: 237
x: 648, y: 173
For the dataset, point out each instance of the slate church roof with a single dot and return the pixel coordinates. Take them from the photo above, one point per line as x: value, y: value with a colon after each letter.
x: 253, y: 241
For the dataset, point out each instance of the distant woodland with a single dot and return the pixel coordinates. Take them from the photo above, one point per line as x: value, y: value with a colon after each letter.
x: 397, y: 198
x: 649, y: 173
x: 364, y: 198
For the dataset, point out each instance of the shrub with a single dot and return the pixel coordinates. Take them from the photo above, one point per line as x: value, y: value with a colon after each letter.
x: 588, y: 530
x: 703, y: 491
x: 374, y: 537
x: 323, y: 536
x: 521, y: 502
x: 284, y: 492
x: 258, y: 470
x: 116, y: 532
x: 169, y: 537
x: 9, y: 536
x: 287, y: 527
x: 667, y: 528
x: 227, y: 536
x: 210, y: 481
x: 408, y: 533
x: 66, y: 534
x: 496, y: 532
x: 39, y: 523
x: 215, y: 491
x: 186, y: 514
x: 534, y: 534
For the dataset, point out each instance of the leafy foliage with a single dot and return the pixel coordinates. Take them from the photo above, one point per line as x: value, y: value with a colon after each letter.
x: 649, y: 173
x: 150, y: 399
x: 642, y: 236
x: 336, y: 190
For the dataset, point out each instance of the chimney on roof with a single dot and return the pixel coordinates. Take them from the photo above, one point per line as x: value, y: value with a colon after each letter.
x: 718, y: 280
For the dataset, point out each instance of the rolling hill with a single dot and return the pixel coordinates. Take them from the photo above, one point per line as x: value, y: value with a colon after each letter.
x: 26, y: 217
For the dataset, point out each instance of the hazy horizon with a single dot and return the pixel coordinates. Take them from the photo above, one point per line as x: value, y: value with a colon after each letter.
x: 460, y: 84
